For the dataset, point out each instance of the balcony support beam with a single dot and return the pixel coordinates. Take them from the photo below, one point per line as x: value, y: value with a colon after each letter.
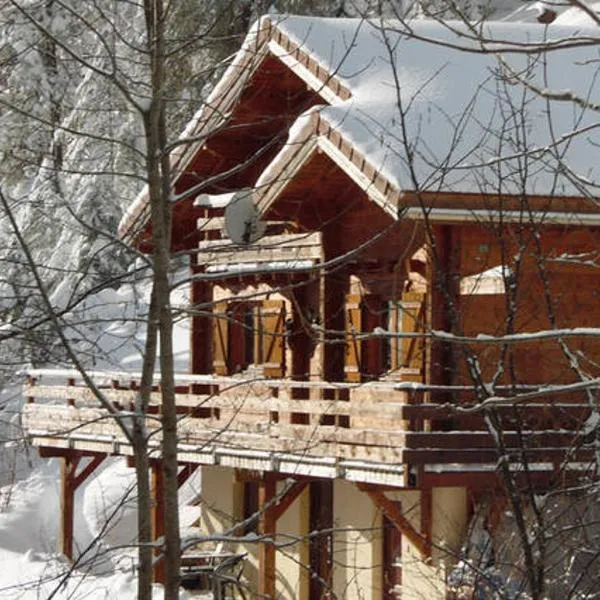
x: 288, y: 499
x: 70, y: 480
x: 421, y: 541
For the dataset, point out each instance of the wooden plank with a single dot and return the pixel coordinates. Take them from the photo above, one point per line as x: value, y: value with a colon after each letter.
x: 441, y: 411
x: 235, y: 439
x: 225, y: 380
x: 221, y: 339
x: 490, y: 456
x: 353, y: 328
x: 449, y: 440
x: 413, y: 316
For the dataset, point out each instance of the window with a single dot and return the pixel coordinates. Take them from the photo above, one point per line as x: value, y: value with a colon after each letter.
x: 249, y: 333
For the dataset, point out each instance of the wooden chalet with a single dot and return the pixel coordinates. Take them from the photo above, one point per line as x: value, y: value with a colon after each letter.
x: 337, y: 363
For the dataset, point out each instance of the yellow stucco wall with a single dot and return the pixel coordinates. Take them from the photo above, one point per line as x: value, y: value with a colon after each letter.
x: 358, y: 539
x: 292, y: 553
x: 449, y: 506
x: 357, y: 544
x: 222, y: 498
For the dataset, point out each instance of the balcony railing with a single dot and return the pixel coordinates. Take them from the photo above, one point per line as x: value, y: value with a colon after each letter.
x: 380, y: 422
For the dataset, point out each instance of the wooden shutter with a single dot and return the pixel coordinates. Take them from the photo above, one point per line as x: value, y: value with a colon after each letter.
x: 220, y: 339
x: 353, y: 328
x: 273, y: 337
x: 395, y: 325
x: 413, y: 320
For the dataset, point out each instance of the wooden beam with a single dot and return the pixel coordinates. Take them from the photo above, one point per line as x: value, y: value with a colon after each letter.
x: 88, y: 469
x: 242, y: 475
x: 427, y: 516
x: 188, y: 470
x: 267, y: 527
x: 70, y: 480
x: 158, y: 519
x: 67, y: 498
x: 286, y: 501
x: 394, y: 514
x: 53, y: 452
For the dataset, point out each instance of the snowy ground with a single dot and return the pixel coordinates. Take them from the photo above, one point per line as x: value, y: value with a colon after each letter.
x: 30, y: 566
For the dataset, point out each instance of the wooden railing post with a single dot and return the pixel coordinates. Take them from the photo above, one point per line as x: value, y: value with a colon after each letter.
x: 32, y: 382
x: 71, y: 383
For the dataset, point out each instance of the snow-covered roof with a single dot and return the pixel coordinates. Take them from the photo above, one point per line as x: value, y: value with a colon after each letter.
x: 434, y: 109
x: 430, y: 106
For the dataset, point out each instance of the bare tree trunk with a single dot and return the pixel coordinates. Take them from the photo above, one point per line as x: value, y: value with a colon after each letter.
x: 140, y: 452
x: 158, y: 172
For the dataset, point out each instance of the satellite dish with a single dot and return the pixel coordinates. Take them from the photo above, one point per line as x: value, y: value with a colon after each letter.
x: 242, y: 221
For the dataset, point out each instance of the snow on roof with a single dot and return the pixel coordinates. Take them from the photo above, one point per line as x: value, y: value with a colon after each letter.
x: 214, y: 200
x: 427, y: 108
x: 463, y: 115
x: 574, y: 15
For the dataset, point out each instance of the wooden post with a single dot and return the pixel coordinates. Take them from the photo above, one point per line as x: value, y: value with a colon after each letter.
x: 201, y: 334
x: 70, y: 480
x: 266, y: 555
x: 427, y: 517
x: 444, y: 283
x: 158, y: 519
x: 67, y: 500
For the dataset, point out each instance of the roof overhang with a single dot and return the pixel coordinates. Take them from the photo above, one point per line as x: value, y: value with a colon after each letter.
x: 264, y: 39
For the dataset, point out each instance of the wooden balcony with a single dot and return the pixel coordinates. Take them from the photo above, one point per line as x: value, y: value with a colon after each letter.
x: 272, y: 252
x: 378, y: 432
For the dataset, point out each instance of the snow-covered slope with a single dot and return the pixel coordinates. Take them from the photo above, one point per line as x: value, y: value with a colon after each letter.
x: 108, y: 332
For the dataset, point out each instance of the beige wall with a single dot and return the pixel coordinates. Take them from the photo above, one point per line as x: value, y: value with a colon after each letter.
x: 449, y: 505
x: 222, y: 507
x: 292, y: 554
x: 358, y: 539
x: 357, y: 544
